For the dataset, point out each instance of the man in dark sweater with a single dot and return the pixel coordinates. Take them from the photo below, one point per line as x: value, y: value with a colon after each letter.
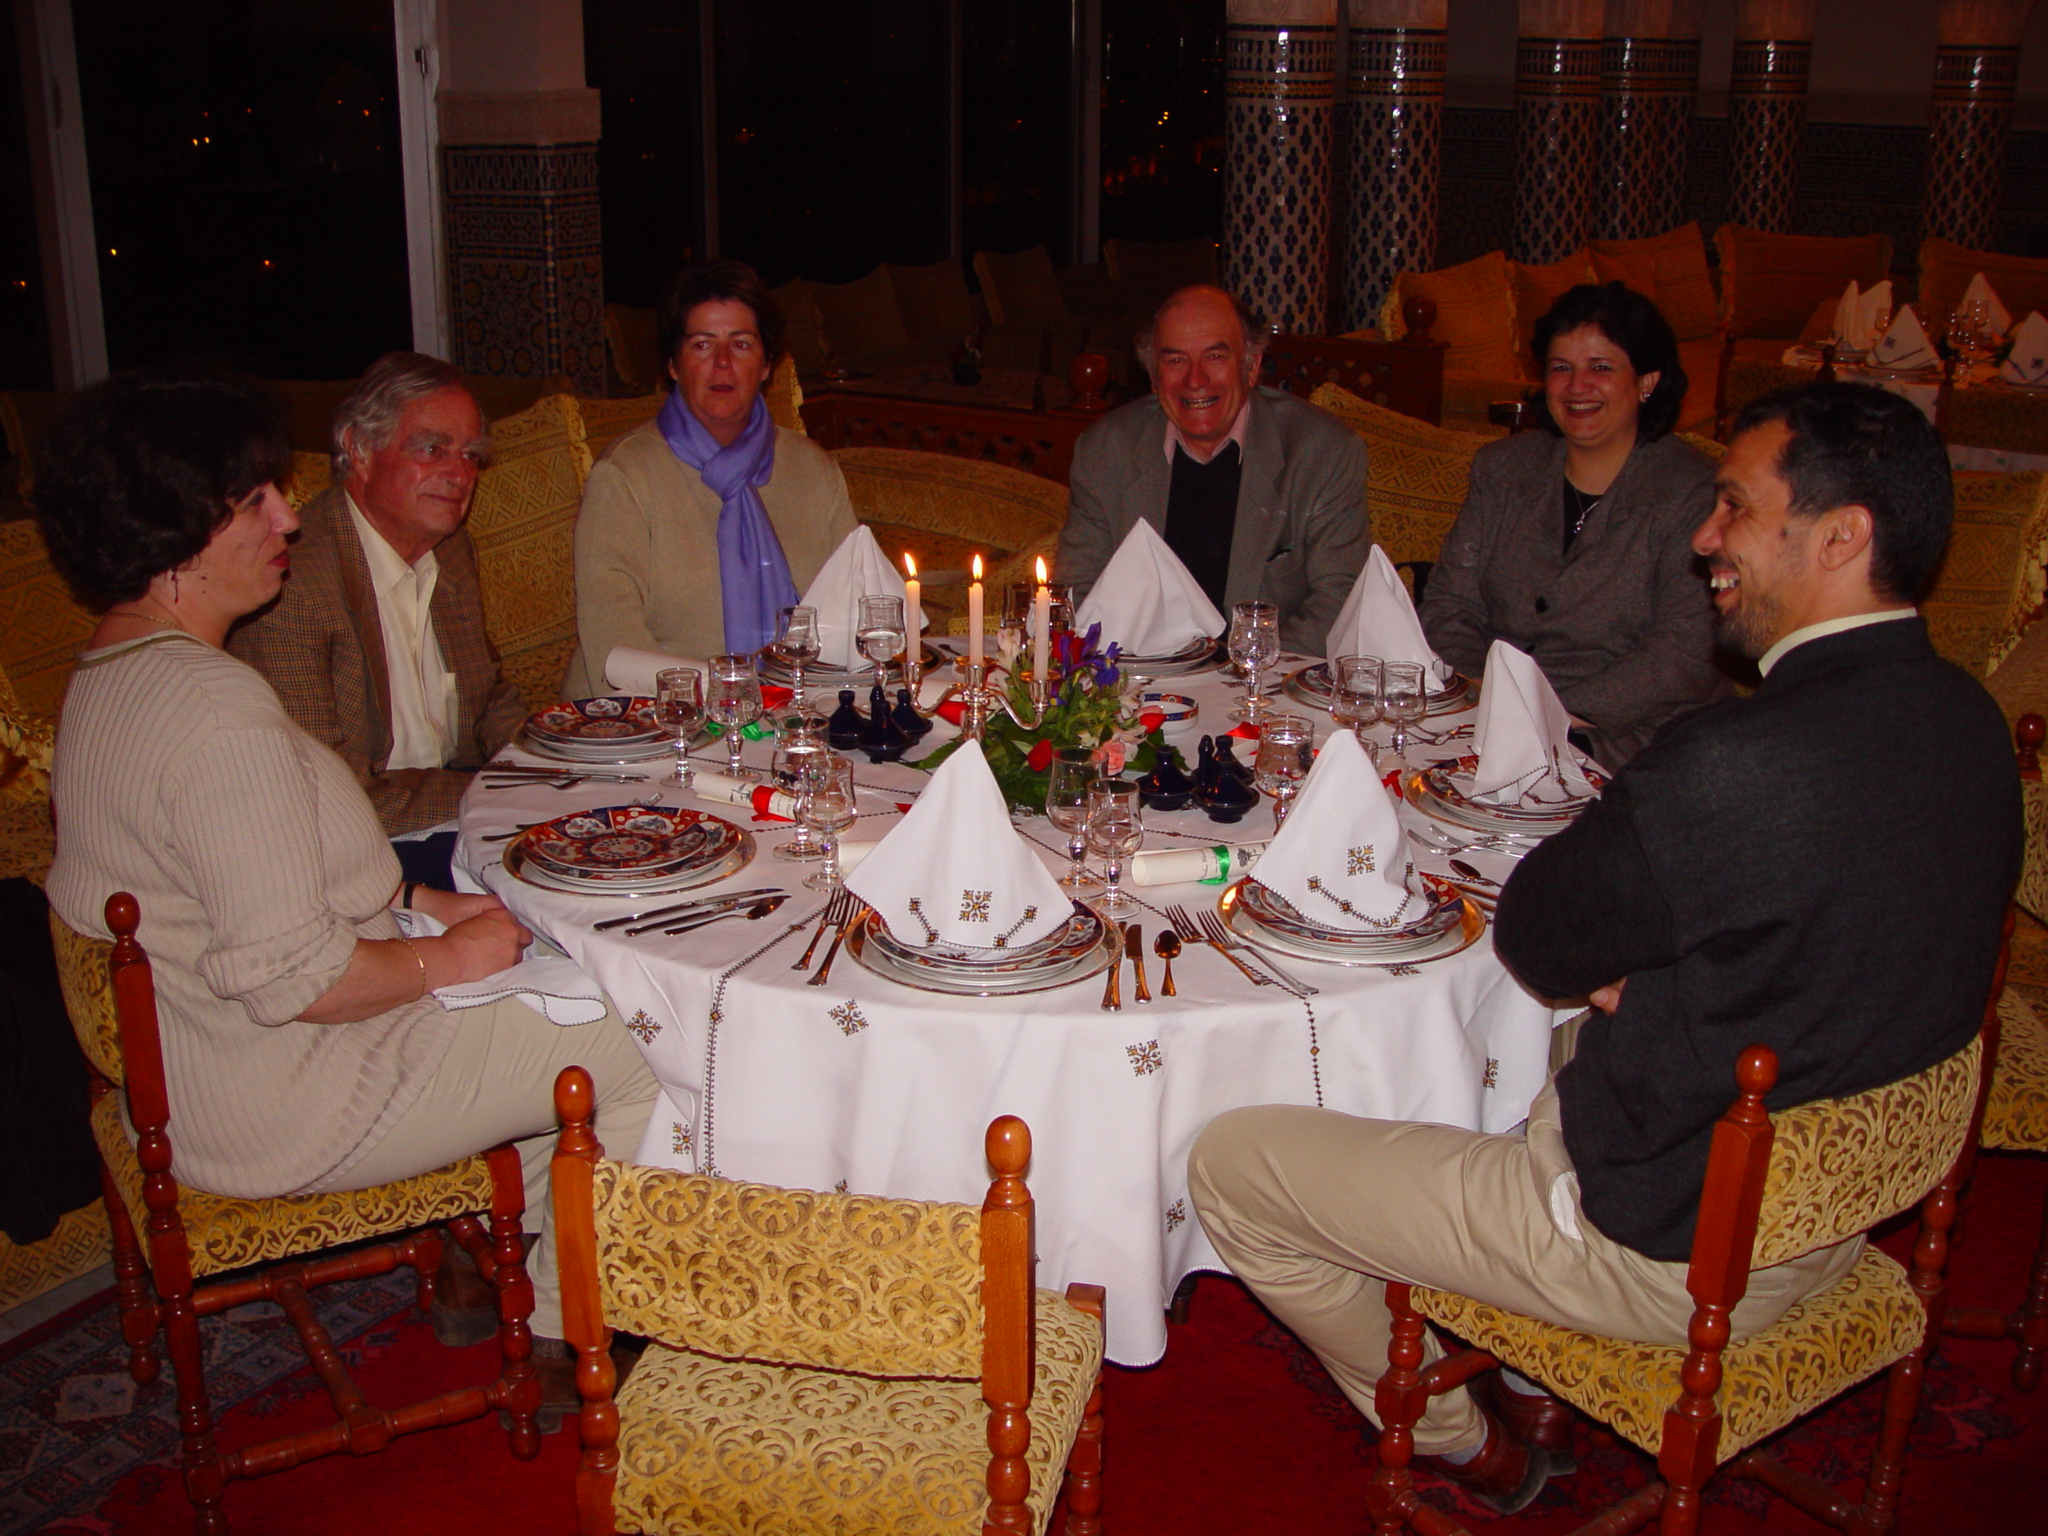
x: 1821, y: 867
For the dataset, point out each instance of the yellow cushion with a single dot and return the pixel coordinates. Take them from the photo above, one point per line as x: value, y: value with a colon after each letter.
x: 631, y: 340
x: 88, y: 996
x: 1021, y: 288
x: 2016, y: 1109
x: 1415, y: 473
x: 1671, y: 269
x: 933, y: 302
x: 1770, y: 283
x: 42, y: 626
x: 712, y: 1447
x: 311, y: 473
x: 606, y: 421
x: 1475, y: 314
x: 860, y: 317
x: 1536, y: 289
x: 523, y: 522
x: 80, y: 1242
x: 1991, y: 578
x: 803, y: 333
x: 2021, y: 282
x: 2032, y: 894
x: 26, y: 744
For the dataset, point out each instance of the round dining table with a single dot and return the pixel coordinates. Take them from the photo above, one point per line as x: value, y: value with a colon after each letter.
x: 865, y: 1085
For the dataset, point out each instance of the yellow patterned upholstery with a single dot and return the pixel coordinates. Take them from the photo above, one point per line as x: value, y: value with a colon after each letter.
x: 310, y: 474
x: 1415, y: 473
x: 2016, y: 1109
x: 42, y: 626
x: 28, y: 840
x: 88, y: 997
x: 738, y: 1448
x: 1991, y: 579
x: 606, y: 421
x: 785, y: 396
x: 2033, y: 887
x: 80, y: 1242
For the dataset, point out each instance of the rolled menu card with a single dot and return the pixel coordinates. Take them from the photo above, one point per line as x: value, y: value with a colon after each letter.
x: 761, y: 799
x: 1218, y: 864
x: 631, y: 670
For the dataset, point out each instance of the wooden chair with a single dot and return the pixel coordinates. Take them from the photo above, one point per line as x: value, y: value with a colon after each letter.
x: 815, y: 1360
x: 1819, y: 1174
x: 191, y: 1234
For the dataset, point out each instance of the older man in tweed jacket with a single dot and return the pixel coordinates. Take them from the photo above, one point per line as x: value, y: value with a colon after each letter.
x: 377, y: 645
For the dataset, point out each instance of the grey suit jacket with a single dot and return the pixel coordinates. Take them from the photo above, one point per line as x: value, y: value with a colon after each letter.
x: 1623, y: 626
x: 1302, y: 529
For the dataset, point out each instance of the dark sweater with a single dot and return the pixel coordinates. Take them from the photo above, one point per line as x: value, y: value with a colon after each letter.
x: 1201, y: 516
x: 1821, y: 868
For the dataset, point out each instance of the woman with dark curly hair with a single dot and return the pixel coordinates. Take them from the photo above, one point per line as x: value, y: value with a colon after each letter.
x: 1575, y: 544
x: 697, y: 528
x: 303, y: 1048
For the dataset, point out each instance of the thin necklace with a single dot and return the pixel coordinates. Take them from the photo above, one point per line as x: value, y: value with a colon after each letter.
x: 1585, y: 505
x: 148, y: 618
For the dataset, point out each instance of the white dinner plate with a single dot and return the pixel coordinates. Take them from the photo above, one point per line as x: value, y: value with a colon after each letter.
x: 877, y: 961
x: 1470, y: 926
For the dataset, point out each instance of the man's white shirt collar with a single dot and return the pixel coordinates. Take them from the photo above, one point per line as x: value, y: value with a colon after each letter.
x: 1829, y: 627
x: 1234, y: 435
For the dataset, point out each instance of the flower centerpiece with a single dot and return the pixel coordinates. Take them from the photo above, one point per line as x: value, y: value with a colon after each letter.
x: 1086, y: 707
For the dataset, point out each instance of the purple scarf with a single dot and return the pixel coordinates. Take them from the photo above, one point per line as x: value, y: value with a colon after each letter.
x: 753, y: 575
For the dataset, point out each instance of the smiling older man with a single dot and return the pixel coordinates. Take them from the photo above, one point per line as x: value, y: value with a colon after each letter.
x: 377, y: 646
x: 1260, y: 494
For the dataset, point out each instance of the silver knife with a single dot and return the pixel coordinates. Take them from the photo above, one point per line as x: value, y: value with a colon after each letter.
x: 701, y: 903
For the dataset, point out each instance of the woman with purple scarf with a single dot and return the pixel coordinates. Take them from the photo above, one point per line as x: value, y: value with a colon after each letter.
x: 698, y: 526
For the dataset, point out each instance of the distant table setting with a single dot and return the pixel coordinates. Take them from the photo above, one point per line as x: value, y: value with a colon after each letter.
x: 841, y: 965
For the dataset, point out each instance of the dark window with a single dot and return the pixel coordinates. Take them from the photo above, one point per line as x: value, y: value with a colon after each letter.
x: 1162, y: 119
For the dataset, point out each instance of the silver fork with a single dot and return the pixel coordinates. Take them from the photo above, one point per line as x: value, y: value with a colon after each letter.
x: 835, y: 911
x: 1218, y: 935
x: 1191, y: 933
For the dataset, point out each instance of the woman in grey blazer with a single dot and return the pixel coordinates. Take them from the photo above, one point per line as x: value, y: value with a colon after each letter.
x: 1575, y: 543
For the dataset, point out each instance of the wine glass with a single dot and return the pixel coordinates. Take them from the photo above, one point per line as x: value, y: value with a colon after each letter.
x: 826, y: 806
x: 1286, y: 750
x: 1254, y: 644
x: 880, y: 633
x: 1355, y: 685
x: 679, y: 705
x: 1402, y: 700
x: 1013, y: 627
x: 1116, y: 830
x: 1066, y: 807
x: 797, y: 644
x: 734, y: 701
x: 794, y: 754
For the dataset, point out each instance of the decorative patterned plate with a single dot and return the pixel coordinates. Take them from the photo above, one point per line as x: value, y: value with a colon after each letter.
x: 1310, y: 685
x: 1471, y: 924
x: 520, y: 867
x: 610, y: 721
x: 1192, y: 657
x: 1429, y: 913
x: 1063, y: 945
x: 1106, y: 950
x: 1178, y: 708
x: 1439, y: 794
x: 622, y: 839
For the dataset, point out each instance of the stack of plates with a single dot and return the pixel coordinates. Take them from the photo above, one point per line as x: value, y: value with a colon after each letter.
x: 1081, y: 948
x: 1440, y: 923
x: 1444, y: 794
x: 611, y: 729
x: 818, y: 675
x: 1311, y: 686
x: 628, y: 850
x: 1192, y: 657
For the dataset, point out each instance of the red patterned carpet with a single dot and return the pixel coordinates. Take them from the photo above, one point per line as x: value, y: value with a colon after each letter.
x: 1237, y: 1431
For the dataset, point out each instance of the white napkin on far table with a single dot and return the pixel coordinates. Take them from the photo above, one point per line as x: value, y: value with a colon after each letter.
x: 1524, y: 758
x: 1378, y: 619
x: 1858, y: 314
x: 1905, y: 343
x: 1341, y: 859
x: 856, y: 569
x: 1146, y: 601
x: 551, y: 984
x: 631, y: 670
x: 2028, y: 361
x: 1997, y: 315
x: 955, y: 871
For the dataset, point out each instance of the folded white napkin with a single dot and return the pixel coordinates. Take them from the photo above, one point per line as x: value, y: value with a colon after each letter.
x: 955, y: 871
x: 631, y: 670
x: 1997, y: 315
x: 1859, y: 314
x: 2028, y: 361
x: 856, y: 569
x: 1146, y: 601
x: 552, y: 985
x: 1341, y: 858
x: 1378, y: 619
x: 1524, y: 758
x: 1905, y: 343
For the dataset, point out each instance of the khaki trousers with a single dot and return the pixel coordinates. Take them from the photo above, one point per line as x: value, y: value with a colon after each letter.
x: 497, y: 1083
x: 1315, y: 1211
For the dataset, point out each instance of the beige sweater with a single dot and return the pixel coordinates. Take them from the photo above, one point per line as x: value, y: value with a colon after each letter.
x: 647, y: 546
x: 258, y: 863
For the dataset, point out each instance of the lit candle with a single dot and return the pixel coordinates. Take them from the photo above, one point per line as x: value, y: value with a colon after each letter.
x: 1041, y: 624
x: 913, y: 608
x: 974, y: 616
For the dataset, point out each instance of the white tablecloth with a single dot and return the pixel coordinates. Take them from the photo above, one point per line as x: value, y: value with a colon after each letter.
x: 869, y: 1086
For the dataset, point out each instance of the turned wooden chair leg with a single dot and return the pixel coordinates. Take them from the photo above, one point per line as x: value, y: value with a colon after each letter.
x: 1084, y: 1464
x: 1183, y: 1299
x: 426, y: 1262
x: 140, y: 1314
x: 520, y: 1381
x: 2030, y: 1327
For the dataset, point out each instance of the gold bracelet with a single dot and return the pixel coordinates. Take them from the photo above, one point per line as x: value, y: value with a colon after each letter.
x: 416, y: 960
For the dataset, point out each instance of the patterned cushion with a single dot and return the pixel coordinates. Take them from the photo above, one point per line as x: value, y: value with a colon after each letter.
x: 842, y: 1282
x: 310, y: 474
x: 80, y: 1242
x: 2021, y: 282
x: 1770, y: 283
x: 606, y: 421
x: 1475, y: 314
x: 1415, y: 473
x: 713, y: 1447
x: 2033, y: 887
x: 28, y: 843
x: 861, y: 317
x: 42, y: 626
x: 26, y: 742
x: 1670, y: 268
x: 523, y: 522
x: 1991, y: 580
x: 1820, y: 1348
x: 88, y: 996
x: 2016, y: 1110
x: 1536, y: 289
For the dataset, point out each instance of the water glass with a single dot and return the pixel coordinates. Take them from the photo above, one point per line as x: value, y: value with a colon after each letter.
x: 1402, y: 701
x: 1074, y: 771
x: 679, y: 707
x: 1116, y: 830
x: 1356, y: 683
x: 1254, y: 644
x: 734, y: 701
x: 1287, y: 750
x: 794, y: 754
x: 880, y: 633
x: 796, y: 643
x: 826, y: 806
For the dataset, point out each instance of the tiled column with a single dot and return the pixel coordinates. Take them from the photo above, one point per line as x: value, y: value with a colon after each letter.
x: 1649, y: 74
x: 1393, y: 119
x: 525, y: 275
x: 1557, y: 126
x: 1976, y: 71
x: 1767, y: 110
x: 1279, y: 79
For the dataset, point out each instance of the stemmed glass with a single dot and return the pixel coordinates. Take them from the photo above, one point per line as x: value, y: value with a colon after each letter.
x: 825, y: 804
x: 1254, y: 644
x: 1116, y: 830
x: 797, y: 644
x: 734, y: 701
x: 1066, y: 805
x: 679, y: 705
x: 1355, y: 686
x: 1286, y: 751
x: 1013, y: 630
x: 1402, y: 701
x: 795, y: 751
x: 880, y: 633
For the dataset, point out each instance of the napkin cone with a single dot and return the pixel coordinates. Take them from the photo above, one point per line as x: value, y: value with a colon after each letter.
x: 2027, y: 362
x: 955, y: 871
x: 1996, y: 315
x: 1378, y: 619
x: 1524, y: 758
x: 856, y: 569
x: 631, y: 670
x: 1146, y: 601
x: 1905, y: 343
x: 1341, y: 859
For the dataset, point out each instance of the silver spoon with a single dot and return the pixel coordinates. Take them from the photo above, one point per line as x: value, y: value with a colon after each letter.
x: 1167, y: 947
x: 758, y: 910
x: 1460, y: 867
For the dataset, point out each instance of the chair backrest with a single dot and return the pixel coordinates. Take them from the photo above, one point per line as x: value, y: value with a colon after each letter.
x: 1416, y: 474
x: 26, y: 745
x: 861, y: 318
x: 42, y: 626
x: 1990, y: 583
x: 2032, y: 893
x: 85, y: 972
x: 1771, y: 283
x: 2021, y: 282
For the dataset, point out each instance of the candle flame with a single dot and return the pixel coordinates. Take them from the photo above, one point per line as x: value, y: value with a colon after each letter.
x: 977, y: 567
x: 1041, y: 570
x: 909, y: 563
